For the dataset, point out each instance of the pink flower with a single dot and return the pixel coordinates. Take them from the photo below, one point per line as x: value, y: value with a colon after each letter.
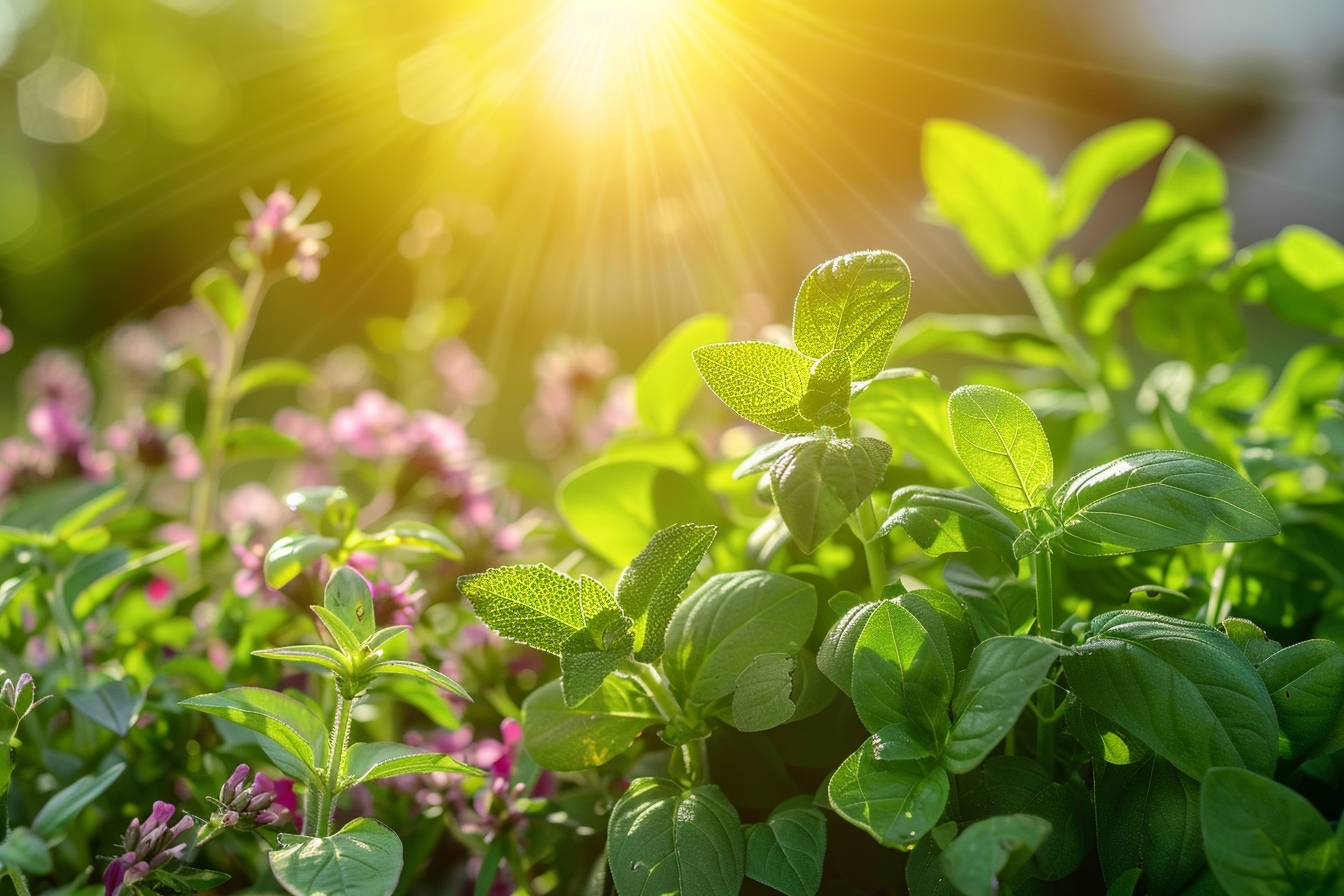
x: 397, y: 604
x: 58, y: 376
x: 277, y: 238
x: 252, y: 510
x: 249, y: 806
x: 250, y: 577
x: 158, y: 590
x: 374, y: 427
x: 138, y: 350
x: 147, y: 846
x: 307, y: 429
x: 466, y: 382
x: 6, y: 339
x: 52, y: 422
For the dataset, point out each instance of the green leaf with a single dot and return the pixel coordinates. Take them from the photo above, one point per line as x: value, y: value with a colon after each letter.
x: 328, y: 658
x: 270, y: 374
x: 760, y: 381
x: 589, y: 656
x: 663, y: 839
x: 786, y: 851
x: 733, y: 618
x: 1101, y: 737
x: 650, y: 587
x: 1100, y: 161
x: 1262, y: 839
x: 1016, y: 784
x: 1148, y: 816
x: 942, y: 522
x: 283, y: 719
x: 1126, y: 883
x: 667, y: 381
x: 113, y: 704
x: 1250, y: 639
x: 817, y: 485
x: 345, y: 639
x: 763, y: 694
x: 533, y: 604
x: 854, y: 303
x: 567, y: 738
x: 991, y: 694
x: 1191, y: 178
x: 1310, y: 257
x: 252, y: 439
x: 992, y: 850
x: 904, y: 675
x: 89, y: 595
x: 219, y: 290
x: 995, y: 195
x: 412, y: 535
x: 895, y: 802
x: 996, y: 606
x: 373, y: 761
x: 1002, y: 444
x: 764, y: 457
x: 26, y: 851
x: 1181, y: 687
x: 1193, y: 323
x: 420, y: 672
x: 292, y: 554
x: 1306, y: 683
x: 349, y: 599
x: 830, y: 385
x: 1155, y: 500
x: 835, y: 657
x: 62, y: 808
x: 88, y: 511
x: 362, y: 859
x: 912, y: 414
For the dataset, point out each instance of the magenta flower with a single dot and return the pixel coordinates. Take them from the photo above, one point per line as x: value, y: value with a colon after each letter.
x: 146, y: 847
x: 247, y: 806
x: 397, y: 604
x: 374, y: 427
x: 57, y: 376
x: 277, y: 238
x: 252, y: 511
x: 52, y: 422
x: 6, y: 339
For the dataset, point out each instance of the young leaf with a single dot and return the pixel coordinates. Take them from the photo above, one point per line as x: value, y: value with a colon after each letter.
x: 764, y: 457
x: 903, y: 675
x: 650, y: 587
x: 268, y: 374
x: 786, y: 851
x: 1100, y: 161
x: 345, y: 639
x: 1310, y: 257
x: 252, y: 439
x: 115, y: 705
x: 26, y: 851
x: 733, y: 618
x: 760, y: 381
x: 667, y: 382
x: 1002, y: 444
x: 854, y: 303
x: 663, y: 839
x: 567, y: 738
x: 592, y: 654
x: 374, y: 761
x: 292, y: 554
x: 1191, y: 178
x: 362, y: 859
x: 1155, y: 500
x: 1306, y: 683
x: 328, y: 658
x: 996, y: 196
x: 62, y: 808
x: 1148, y: 816
x: 991, y: 694
x: 411, y: 535
x: 817, y: 485
x: 283, y: 719
x: 423, y: 673
x: 762, y: 697
x: 533, y: 604
x: 1262, y: 838
x: 896, y: 802
x: 217, y: 288
x: 829, y: 386
x: 1189, y: 694
x: 942, y: 521
x: 835, y: 657
x: 992, y: 850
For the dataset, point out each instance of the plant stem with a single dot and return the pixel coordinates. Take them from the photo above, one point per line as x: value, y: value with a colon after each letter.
x: 695, y: 754
x: 1217, y: 583
x: 1045, y: 697
x: 874, y: 548
x: 340, y: 741
x: 219, y: 409
x: 1082, y: 367
x: 20, y: 884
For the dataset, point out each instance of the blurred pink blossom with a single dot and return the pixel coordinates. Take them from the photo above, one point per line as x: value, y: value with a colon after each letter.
x: 138, y: 350
x: 252, y: 509
x: 6, y: 339
x: 466, y: 382
x: 277, y: 237
x: 577, y: 405
x: 58, y: 377
x: 374, y: 427
x: 397, y: 604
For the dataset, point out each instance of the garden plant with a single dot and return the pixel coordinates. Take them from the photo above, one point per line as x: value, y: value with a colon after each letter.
x: 1058, y: 611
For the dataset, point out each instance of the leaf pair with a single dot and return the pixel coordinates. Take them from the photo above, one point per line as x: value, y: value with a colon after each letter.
x: 588, y: 627
x: 845, y: 317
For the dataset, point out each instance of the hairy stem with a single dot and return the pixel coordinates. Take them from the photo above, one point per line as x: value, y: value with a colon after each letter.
x: 695, y: 754
x: 1045, y: 697
x: 874, y: 548
x: 340, y: 741
x: 1217, y: 584
x: 20, y: 883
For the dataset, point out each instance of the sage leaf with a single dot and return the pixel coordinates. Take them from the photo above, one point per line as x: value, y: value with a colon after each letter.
x: 854, y: 303
x: 762, y: 382
x: 1148, y: 816
x: 818, y: 484
x: 361, y: 859
x: 786, y: 851
x: 533, y: 604
x: 896, y: 802
x: 1002, y: 444
x: 590, y: 655
x: 663, y: 839
x: 941, y: 521
x: 566, y: 738
x: 650, y: 587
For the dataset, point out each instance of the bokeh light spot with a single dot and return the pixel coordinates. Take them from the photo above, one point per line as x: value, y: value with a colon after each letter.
x: 61, y: 102
x: 18, y: 185
x: 435, y: 85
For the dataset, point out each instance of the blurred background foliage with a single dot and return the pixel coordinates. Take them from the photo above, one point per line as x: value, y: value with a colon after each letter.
x: 518, y: 169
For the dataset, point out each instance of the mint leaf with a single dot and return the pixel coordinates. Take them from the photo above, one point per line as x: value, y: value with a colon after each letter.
x: 787, y: 850
x: 1002, y: 444
x: 896, y: 802
x: 854, y: 303
x: 941, y: 521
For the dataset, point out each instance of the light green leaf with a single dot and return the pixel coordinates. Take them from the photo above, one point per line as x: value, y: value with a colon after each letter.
x: 589, y: 656
x: 1263, y: 839
x: 650, y: 587
x: 992, y: 850
x: 904, y: 674
x: 995, y: 195
x: 533, y: 604
x: 115, y: 705
x: 328, y: 658
x: 217, y: 288
x: 998, y: 337
x: 835, y: 657
x: 252, y: 439
x: 817, y: 485
x: 1104, y: 739
x: 733, y: 618
x: 1306, y: 683
x: 667, y: 381
x: 412, y: 535
x: 26, y: 851
x: 1159, y: 499
x: 854, y: 303
x: 762, y: 697
x: 663, y: 839
x: 283, y: 719
x: 567, y: 738
x: 1100, y: 161
x: 1312, y: 258
x: 1002, y: 444
x: 787, y: 850
x: 374, y: 761
x: 269, y: 374
x: 1181, y: 687
x: 292, y: 554
x: 410, y: 669
x: 1191, y: 178
x: 1193, y: 323
x: 362, y: 859
x: 762, y: 382
x: 896, y: 802
x: 912, y: 414
x: 345, y: 639
x: 348, y: 597
x: 62, y: 808
x: 1148, y: 816
x: 942, y: 522
x: 992, y: 692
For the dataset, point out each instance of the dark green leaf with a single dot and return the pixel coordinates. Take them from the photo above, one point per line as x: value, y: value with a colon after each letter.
x: 896, y: 802
x: 787, y: 850
x: 835, y: 657
x: 762, y: 697
x: 942, y: 521
x: 1016, y: 784
x: 992, y: 850
x: 663, y: 839
x: 362, y: 859
x: 1101, y: 737
x: 818, y: 484
x: 115, y: 705
x: 1306, y: 683
x: 904, y: 675
x: 1148, y: 816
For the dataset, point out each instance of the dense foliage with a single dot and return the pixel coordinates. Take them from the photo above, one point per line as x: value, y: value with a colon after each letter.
x: 1068, y: 628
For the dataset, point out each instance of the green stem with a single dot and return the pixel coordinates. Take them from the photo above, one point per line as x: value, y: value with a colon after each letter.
x: 874, y: 548
x: 219, y: 409
x: 1045, y: 697
x: 696, y: 753
x: 340, y: 741
x: 1082, y: 367
x: 1217, y: 583
x: 20, y: 884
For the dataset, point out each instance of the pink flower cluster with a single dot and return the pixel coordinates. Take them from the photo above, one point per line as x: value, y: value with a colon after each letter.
x: 262, y: 803
x: 578, y: 404
x: 147, y: 846
x: 61, y: 399
x: 277, y: 238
